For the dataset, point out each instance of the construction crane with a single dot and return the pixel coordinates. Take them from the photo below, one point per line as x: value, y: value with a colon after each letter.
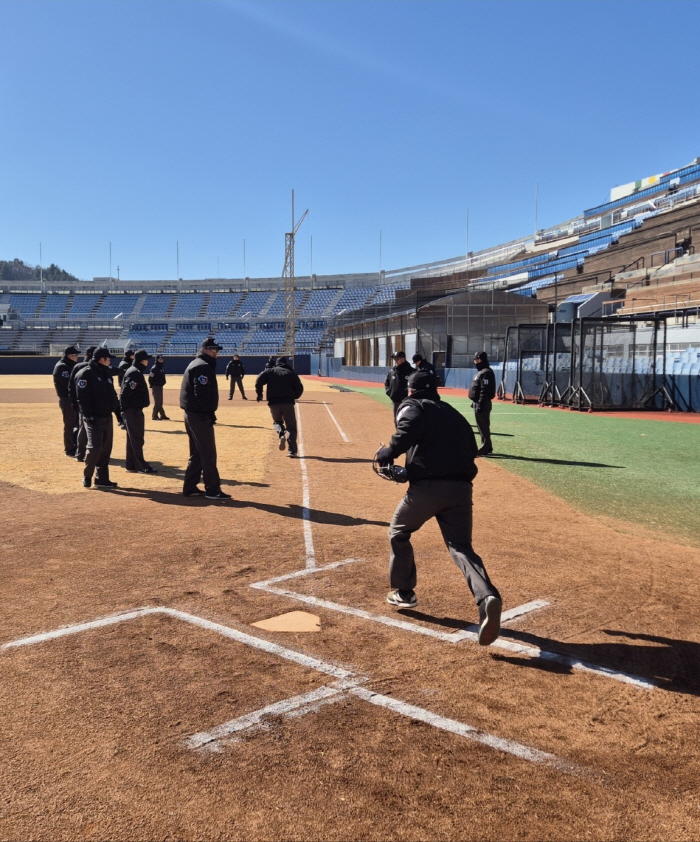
x: 288, y: 275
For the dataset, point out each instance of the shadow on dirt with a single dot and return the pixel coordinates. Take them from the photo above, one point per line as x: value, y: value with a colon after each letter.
x: 669, y: 663
x: 332, y: 459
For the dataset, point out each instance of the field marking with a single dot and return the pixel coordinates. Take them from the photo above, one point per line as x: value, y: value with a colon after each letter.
x: 342, y: 434
x: 469, y: 633
x: 306, y: 498
x: 347, y: 682
x: 461, y: 729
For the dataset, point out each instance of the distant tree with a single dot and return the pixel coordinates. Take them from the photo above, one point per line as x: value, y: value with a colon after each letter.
x: 18, y: 270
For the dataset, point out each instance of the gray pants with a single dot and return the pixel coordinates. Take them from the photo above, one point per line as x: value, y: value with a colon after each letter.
x: 158, y: 411
x: 99, y: 447
x: 450, y: 503
x: 483, y: 422
x: 202, y: 461
x: 135, y: 430
x: 285, y: 418
x: 236, y: 381
x: 81, y: 438
x: 70, y: 425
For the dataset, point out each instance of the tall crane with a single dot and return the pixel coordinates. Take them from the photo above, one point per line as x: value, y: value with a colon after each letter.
x: 288, y: 275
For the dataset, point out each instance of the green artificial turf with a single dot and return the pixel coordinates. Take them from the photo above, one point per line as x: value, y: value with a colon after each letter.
x: 637, y: 470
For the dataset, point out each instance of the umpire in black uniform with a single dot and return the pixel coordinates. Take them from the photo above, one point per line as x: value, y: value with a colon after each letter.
x: 283, y: 388
x: 156, y: 380
x: 134, y: 399
x: 236, y: 371
x: 61, y: 382
x: 395, y: 384
x: 199, y: 398
x: 81, y: 437
x: 97, y: 400
x: 124, y: 365
x: 481, y: 393
x: 440, y: 448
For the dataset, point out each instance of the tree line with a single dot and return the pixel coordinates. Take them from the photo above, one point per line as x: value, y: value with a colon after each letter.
x: 18, y: 270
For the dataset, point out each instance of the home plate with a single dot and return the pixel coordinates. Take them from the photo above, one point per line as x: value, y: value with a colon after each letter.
x: 293, y: 621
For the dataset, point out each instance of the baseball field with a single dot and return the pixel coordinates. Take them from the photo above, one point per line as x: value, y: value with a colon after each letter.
x: 179, y: 668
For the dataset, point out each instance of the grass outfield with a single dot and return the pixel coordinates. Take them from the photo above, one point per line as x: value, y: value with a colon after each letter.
x: 643, y: 471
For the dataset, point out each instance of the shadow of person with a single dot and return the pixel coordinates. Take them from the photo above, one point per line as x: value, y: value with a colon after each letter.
x: 555, y: 461
x: 315, y: 515
x: 667, y: 663
x: 342, y: 459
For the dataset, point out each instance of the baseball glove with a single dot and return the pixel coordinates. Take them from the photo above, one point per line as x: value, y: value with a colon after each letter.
x: 390, y: 472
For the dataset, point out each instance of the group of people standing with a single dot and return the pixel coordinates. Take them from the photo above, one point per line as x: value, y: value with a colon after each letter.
x: 89, y: 404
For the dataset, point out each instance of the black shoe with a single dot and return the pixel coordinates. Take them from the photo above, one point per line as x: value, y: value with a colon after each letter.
x: 79, y: 458
x: 147, y: 470
x: 131, y: 470
x: 87, y: 482
x: 484, y: 451
x: 105, y: 483
x: 122, y: 426
x: 402, y: 599
x: 155, y: 419
x: 165, y: 418
x: 489, y: 620
x: 245, y: 398
x: 197, y: 492
x: 70, y: 453
x: 230, y: 399
x: 218, y: 495
x: 292, y: 453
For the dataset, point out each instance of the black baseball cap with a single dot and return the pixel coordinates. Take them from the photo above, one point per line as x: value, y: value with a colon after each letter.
x: 397, y: 355
x: 210, y: 344
x: 482, y: 356
x: 141, y: 355
x: 100, y: 354
x: 70, y: 351
x: 420, y: 380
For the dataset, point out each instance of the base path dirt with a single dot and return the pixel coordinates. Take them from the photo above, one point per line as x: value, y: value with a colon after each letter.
x: 186, y: 721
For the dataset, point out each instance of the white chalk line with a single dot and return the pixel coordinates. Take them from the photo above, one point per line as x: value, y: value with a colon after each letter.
x: 306, y: 498
x: 469, y: 633
x: 461, y: 729
x: 342, y: 434
x: 347, y: 683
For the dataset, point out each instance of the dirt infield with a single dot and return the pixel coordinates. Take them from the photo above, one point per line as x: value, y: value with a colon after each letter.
x: 183, y: 721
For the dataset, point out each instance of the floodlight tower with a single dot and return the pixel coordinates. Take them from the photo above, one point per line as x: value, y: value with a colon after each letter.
x: 288, y: 275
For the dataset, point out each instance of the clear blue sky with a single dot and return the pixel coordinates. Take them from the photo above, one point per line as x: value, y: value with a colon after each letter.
x: 146, y: 122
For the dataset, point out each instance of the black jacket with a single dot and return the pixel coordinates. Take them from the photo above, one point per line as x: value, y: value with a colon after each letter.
x: 200, y: 391
x: 283, y: 385
x: 235, y: 369
x: 438, y: 441
x: 61, y: 376
x: 395, y: 384
x: 122, y: 368
x: 73, y: 381
x: 95, y: 390
x: 483, y: 388
x: 134, y: 391
x: 156, y: 376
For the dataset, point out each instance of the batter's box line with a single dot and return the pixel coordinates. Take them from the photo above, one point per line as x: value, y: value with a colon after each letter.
x: 268, y: 586
x: 345, y: 682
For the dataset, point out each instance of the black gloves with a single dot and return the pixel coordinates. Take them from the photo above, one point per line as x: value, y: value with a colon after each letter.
x: 384, y: 456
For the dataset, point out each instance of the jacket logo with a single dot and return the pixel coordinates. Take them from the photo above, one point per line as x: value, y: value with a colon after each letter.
x: 132, y: 385
x: 64, y: 374
x: 203, y: 379
x: 82, y: 384
x: 109, y: 379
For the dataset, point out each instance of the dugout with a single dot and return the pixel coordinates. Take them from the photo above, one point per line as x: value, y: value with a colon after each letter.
x: 447, y: 330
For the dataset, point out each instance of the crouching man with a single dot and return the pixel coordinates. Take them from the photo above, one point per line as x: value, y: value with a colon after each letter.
x: 440, y: 448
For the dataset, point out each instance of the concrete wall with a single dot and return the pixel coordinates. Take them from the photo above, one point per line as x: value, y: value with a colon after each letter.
x: 173, y: 365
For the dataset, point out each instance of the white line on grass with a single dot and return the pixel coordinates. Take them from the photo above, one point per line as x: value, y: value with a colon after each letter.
x: 306, y: 500
x: 342, y: 434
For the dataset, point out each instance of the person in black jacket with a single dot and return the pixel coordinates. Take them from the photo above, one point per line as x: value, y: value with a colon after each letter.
x: 481, y: 392
x: 134, y: 399
x: 236, y: 371
x: 61, y: 382
x: 421, y: 364
x: 81, y: 437
x: 124, y: 365
x: 440, y: 448
x: 156, y: 380
x: 98, y: 401
x: 395, y: 383
x: 283, y: 388
x: 199, y: 398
